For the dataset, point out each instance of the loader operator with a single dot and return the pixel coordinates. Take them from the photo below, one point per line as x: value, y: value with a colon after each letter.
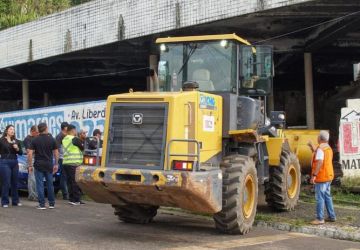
x: 322, y: 174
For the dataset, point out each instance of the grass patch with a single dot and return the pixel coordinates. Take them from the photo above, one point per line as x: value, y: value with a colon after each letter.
x: 300, y: 222
x: 350, y: 218
x: 347, y: 182
x: 280, y: 219
x: 341, y: 196
x: 264, y: 217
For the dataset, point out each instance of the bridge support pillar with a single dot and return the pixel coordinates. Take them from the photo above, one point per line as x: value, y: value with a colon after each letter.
x: 25, y: 93
x: 309, y: 91
x: 46, y: 99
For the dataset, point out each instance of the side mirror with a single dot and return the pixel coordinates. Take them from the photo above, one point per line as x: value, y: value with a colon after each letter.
x: 264, y: 61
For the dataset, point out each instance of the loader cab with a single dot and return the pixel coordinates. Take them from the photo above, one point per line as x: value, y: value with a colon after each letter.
x: 218, y: 63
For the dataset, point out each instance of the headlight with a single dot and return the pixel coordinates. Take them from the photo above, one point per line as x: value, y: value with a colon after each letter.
x: 163, y: 47
x: 23, y: 168
x: 223, y: 43
x: 281, y: 116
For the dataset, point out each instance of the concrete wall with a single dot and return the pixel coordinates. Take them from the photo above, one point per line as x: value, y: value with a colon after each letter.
x: 100, y: 22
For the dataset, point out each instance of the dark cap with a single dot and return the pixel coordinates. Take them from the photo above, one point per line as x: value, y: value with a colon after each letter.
x: 70, y: 127
x: 64, y: 125
x: 96, y: 132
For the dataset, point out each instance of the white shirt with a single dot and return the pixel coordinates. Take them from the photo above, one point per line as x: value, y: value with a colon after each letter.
x: 320, y: 155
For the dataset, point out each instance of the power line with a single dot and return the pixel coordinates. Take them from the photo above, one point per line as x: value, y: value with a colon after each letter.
x: 75, y: 77
x: 306, y: 28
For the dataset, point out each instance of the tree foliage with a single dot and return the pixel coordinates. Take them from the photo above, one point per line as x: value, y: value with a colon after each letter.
x: 14, y: 12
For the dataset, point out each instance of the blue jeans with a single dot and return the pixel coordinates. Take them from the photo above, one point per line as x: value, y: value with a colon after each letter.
x: 9, y: 170
x: 39, y: 177
x: 323, y: 197
x: 63, y: 182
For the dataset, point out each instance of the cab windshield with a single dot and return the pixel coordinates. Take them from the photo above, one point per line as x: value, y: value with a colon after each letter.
x: 211, y: 64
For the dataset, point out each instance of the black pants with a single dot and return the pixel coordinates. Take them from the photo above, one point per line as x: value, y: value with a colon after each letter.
x: 73, y: 188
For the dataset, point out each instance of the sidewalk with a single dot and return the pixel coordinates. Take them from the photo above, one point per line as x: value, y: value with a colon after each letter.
x: 347, y: 226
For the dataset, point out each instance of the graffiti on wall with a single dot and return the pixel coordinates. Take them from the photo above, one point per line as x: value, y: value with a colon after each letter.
x: 349, y: 138
x: 88, y: 116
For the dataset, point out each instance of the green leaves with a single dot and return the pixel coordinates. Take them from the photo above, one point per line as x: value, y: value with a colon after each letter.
x: 14, y: 12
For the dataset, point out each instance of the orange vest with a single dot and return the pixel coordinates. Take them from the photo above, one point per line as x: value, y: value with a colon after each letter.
x: 326, y: 172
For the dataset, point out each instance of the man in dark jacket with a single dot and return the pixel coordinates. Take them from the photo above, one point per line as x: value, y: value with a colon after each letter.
x: 94, y: 142
x: 45, y: 149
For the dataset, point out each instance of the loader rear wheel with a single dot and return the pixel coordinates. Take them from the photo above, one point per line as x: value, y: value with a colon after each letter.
x: 240, y: 195
x: 133, y: 213
x: 283, y: 188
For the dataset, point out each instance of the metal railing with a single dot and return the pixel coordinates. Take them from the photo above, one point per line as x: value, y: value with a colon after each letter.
x: 197, y: 155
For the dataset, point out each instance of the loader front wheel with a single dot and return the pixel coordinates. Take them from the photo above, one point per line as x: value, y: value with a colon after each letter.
x: 133, y: 213
x: 283, y: 188
x: 240, y: 195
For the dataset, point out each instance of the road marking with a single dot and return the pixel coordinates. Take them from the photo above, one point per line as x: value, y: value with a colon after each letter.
x: 243, y: 242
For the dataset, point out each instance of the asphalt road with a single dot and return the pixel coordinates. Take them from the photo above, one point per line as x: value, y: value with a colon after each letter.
x: 94, y: 226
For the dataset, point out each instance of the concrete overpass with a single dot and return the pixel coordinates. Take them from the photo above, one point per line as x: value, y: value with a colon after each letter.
x: 57, y: 52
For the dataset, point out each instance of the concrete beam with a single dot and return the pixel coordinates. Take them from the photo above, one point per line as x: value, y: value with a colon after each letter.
x: 100, y: 22
x: 329, y: 33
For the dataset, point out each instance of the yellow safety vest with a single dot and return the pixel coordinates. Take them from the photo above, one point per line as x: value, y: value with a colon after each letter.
x: 72, y: 154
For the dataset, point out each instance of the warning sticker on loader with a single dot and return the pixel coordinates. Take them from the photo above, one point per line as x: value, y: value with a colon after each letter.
x: 207, y: 102
x: 208, y: 123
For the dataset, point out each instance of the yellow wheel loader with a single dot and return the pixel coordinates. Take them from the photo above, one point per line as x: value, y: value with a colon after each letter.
x: 201, y: 141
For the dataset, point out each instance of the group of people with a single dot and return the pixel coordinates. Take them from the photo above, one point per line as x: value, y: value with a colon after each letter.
x: 45, y: 156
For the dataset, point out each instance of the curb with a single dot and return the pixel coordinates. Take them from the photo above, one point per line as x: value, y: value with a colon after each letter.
x: 329, y: 231
x: 333, y: 232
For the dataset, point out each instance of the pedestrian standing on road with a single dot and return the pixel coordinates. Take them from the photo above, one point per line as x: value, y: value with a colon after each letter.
x: 32, y: 194
x: 45, y: 148
x: 59, y: 138
x: 82, y: 135
x: 73, y: 157
x: 28, y: 139
x: 322, y: 174
x: 9, y: 169
x: 93, y: 144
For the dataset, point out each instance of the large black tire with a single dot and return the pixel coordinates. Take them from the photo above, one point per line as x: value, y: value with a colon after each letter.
x: 239, y: 197
x: 133, y: 213
x: 283, y: 188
